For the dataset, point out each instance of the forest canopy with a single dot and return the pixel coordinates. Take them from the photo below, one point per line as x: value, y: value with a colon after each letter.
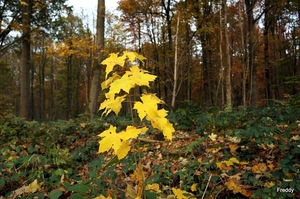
x: 210, y: 53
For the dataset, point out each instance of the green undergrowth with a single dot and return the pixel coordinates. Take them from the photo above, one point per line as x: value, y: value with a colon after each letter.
x: 237, y: 154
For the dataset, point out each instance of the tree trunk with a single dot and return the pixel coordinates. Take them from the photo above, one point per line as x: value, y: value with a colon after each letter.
x: 189, y: 57
x: 220, y: 82
x: 95, y: 84
x: 243, y: 59
x: 69, y: 88
x: 42, y: 94
x: 228, y: 59
x: 174, y: 92
x: 169, y: 53
x: 25, y: 68
x: 205, y: 39
x: 252, y: 66
x: 266, y: 52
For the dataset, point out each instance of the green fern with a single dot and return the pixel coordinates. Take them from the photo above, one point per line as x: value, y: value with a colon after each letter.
x: 59, y: 156
x: 197, y: 143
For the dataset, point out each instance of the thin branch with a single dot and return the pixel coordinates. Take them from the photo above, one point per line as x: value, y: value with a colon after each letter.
x: 206, y: 186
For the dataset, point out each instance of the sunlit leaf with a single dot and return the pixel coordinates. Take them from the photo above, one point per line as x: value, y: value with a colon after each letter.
x: 194, y: 187
x: 130, y: 192
x: 131, y: 132
x: 139, y: 76
x: 139, y: 176
x: 111, y: 79
x: 112, y: 104
x: 123, y: 150
x: 153, y: 187
x: 110, y: 139
x: 213, y: 137
x: 259, y: 168
x: 33, y: 187
x: 231, y: 161
x: 119, y: 142
x: 23, y: 3
x: 112, y: 61
x: 233, y: 148
x: 269, y: 184
x: 231, y: 185
x: 133, y: 55
x: 181, y: 194
x: 271, y: 166
x: 148, y: 107
x: 296, y: 137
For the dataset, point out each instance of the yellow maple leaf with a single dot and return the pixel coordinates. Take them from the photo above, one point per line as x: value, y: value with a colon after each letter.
x: 231, y: 185
x: 83, y: 124
x: 123, y: 150
x: 133, y: 55
x: 148, y: 107
x: 259, y: 168
x: 296, y: 138
x: 162, y: 113
x: 199, y: 160
x: 233, y: 148
x: 23, y: 3
x: 181, y: 194
x: 124, y: 83
x: 216, y: 150
x: 139, y: 76
x: 112, y: 61
x: 9, y: 158
x: 234, y: 139
x: 231, y: 161
x: 141, y: 109
x: 130, y: 192
x: 111, y: 79
x: 271, y: 166
x: 213, y: 137
x: 223, y: 166
x: 33, y: 187
x: 131, y: 132
x: 139, y: 177
x: 112, y: 104
x: 246, y: 193
x: 194, y: 187
x: 119, y: 142
x: 243, y: 163
x: 269, y: 184
x: 168, y: 130
x: 152, y: 99
x: 153, y: 187
x: 110, y: 140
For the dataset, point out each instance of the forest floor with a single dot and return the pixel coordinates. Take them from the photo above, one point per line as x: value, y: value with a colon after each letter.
x: 242, y: 154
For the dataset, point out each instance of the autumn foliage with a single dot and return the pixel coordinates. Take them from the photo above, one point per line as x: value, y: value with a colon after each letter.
x: 146, y: 108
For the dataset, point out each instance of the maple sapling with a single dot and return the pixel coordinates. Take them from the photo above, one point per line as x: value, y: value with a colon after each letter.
x: 147, y: 108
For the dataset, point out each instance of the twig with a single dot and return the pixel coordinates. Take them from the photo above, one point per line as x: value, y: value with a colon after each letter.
x: 206, y: 186
x: 219, y: 193
x: 149, y: 140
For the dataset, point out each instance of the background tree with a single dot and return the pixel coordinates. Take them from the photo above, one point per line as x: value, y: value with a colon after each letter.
x: 95, y: 85
x: 228, y: 59
x: 25, y: 69
x: 35, y: 14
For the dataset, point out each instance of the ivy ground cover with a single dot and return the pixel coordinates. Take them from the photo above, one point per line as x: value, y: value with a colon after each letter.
x: 213, y: 154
